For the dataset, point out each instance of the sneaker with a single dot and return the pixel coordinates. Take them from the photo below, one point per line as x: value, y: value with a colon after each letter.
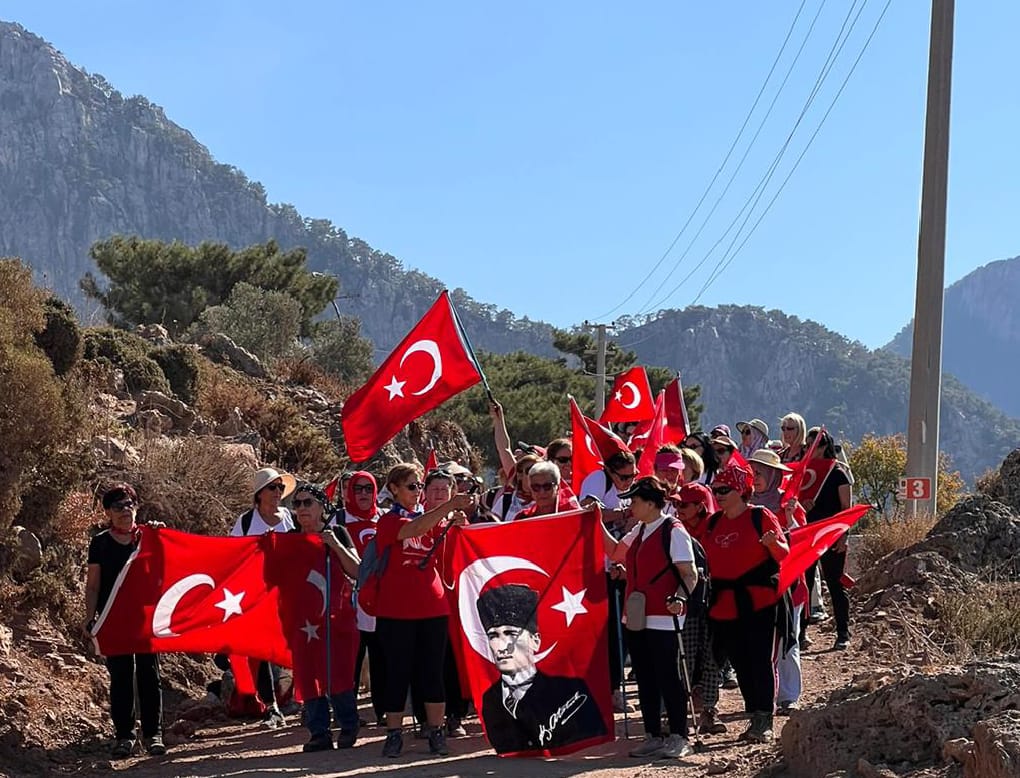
x: 710, y: 724
x: 786, y: 707
x: 817, y: 615
x: 323, y: 742
x: 274, y: 719
x: 154, y: 745
x: 437, y: 741
x: 394, y: 744
x: 842, y: 643
x: 729, y: 680
x: 760, y: 730
x: 674, y: 747
x: 652, y: 746
x: 122, y: 748
x: 620, y: 704
x: 347, y: 738
x: 454, y: 728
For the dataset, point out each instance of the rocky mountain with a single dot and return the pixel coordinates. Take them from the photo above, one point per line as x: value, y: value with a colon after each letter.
x: 752, y: 362
x: 79, y: 162
x: 981, y: 333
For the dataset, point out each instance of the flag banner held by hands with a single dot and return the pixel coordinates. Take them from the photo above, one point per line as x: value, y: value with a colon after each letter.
x: 808, y: 543
x: 530, y: 626
x: 433, y: 363
x: 196, y: 594
x: 630, y: 399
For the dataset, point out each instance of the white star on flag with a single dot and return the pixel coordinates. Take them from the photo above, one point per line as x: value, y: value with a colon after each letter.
x: 311, y: 631
x: 618, y: 396
x: 572, y: 604
x: 395, y: 388
x: 231, y: 603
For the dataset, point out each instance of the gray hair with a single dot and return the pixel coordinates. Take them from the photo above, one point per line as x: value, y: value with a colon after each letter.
x: 544, y: 467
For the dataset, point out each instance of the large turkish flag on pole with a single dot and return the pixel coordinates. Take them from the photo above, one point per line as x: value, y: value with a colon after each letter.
x: 678, y: 426
x: 808, y: 543
x: 631, y: 398
x: 191, y: 593
x: 530, y: 626
x: 432, y: 364
x: 586, y: 456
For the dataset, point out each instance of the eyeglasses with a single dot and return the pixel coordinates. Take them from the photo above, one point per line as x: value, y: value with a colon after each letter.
x: 720, y: 450
x: 123, y: 505
x: 721, y: 491
x: 745, y: 432
x: 563, y: 460
x: 784, y: 428
x: 306, y: 503
x: 625, y: 476
x: 547, y: 486
x: 415, y: 487
x: 362, y: 488
x: 277, y: 487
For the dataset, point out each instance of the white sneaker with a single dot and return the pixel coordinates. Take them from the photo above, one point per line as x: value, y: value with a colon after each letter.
x: 652, y: 746
x: 674, y: 747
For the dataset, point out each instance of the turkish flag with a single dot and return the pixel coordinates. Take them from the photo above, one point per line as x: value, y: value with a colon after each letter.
x: 431, y: 365
x: 431, y: 462
x: 530, y: 620
x: 586, y: 456
x: 807, y: 478
x: 653, y: 439
x: 606, y: 441
x: 192, y: 593
x: 324, y: 648
x: 631, y: 398
x: 808, y: 543
x: 678, y: 426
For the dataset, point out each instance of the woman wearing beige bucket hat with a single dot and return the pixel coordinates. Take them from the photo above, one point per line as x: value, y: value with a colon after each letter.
x: 768, y: 478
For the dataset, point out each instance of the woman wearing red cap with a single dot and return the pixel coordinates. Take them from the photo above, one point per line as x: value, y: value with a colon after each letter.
x: 744, y: 546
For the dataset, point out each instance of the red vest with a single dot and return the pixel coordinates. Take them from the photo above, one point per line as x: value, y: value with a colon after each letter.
x: 647, y: 558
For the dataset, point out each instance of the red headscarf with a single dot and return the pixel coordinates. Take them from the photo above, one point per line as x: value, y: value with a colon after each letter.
x: 736, y: 477
x: 351, y: 504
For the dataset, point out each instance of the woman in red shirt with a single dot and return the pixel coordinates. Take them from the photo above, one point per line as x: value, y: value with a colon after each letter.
x: 412, y: 610
x: 744, y: 546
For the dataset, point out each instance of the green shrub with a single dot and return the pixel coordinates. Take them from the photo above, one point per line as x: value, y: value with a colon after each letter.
x: 179, y: 364
x: 61, y: 338
x: 128, y: 352
x: 290, y: 441
x: 265, y: 323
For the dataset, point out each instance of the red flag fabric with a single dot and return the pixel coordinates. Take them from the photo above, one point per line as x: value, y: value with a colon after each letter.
x: 630, y: 399
x: 606, y: 441
x: 678, y: 426
x: 655, y: 438
x: 431, y: 461
x: 531, y: 631
x: 431, y: 365
x: 794, y: 480
x: 330, y: 489
x: 586, y: 456
x: 807, y: 477
x: 191, y: 593
x: 296, y: 563
x: 808, y: 543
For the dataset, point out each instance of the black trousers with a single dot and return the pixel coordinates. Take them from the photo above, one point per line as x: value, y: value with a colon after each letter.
x: 413, y: 648
x: 654, y: 654
x: 124, y: 669
x: 749, y: 642
x: 617, y: 648
x: 371, y: 646
x: 265, y: 686
x: 456, y: 705
x: 833, y: 565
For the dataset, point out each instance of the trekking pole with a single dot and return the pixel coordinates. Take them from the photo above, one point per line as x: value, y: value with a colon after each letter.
x: 623, y: 670
x: 681, y: 666
x: 329, y: 635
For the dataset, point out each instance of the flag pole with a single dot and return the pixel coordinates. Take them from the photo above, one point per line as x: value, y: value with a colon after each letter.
x: 470, y: 348
x: 329, y: 635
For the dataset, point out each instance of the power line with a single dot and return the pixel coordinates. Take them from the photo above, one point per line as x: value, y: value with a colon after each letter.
x: 722, y: 165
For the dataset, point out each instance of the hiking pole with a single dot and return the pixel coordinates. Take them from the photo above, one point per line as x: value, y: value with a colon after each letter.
x: 623, y: 670
x: 681, y: 666
x: 329, y: 634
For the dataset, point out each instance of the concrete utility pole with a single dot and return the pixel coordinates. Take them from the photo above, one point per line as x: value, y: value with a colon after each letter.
x: 600, y: 369
x: 926, y: 357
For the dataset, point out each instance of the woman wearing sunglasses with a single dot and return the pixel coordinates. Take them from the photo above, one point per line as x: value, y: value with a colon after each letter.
x: 324, y: 686
x: 412, y: 610
x: 744, y: 545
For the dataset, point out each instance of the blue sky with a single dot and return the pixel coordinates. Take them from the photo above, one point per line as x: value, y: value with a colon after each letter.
x: 543, y: 156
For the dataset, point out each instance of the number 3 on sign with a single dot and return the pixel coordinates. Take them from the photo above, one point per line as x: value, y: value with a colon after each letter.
x: 916, y: 488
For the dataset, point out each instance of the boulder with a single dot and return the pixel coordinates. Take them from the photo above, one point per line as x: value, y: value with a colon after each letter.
x: 905, y: 722
x: 154, y: 422
x: 115, y: 450
x: 1009, y: 479
x: 181, y: 415
x: 6, y: 640
x: 26, y: 553
x: 156, y: 334
x: 996, y: 751
x: 219, y: 348
x: 234, y: 425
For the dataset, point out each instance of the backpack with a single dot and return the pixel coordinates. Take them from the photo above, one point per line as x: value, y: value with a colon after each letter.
x: 698, y: 600
x: 370, y: 571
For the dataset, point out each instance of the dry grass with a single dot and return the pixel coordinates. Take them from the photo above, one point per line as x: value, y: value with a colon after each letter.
x: 77, y: 515
x: 984, y: 621
x: 221, y: 390
x: 305, y: 372
x: 882, y: 536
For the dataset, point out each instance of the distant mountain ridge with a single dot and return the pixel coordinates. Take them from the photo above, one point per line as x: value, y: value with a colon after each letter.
x: 981, y: 333
x: 80, y: 162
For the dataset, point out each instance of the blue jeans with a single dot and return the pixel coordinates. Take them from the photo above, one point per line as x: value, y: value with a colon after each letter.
x: 317, y: 713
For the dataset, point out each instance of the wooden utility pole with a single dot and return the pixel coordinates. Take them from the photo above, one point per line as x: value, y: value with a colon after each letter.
x: 926, y: 357
x: 600, y: 369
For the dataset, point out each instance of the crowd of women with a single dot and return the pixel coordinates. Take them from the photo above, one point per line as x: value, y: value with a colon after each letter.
x: 704, y: 515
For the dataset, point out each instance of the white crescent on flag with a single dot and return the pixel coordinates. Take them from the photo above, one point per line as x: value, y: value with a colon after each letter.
x: 635, y: 394
x: 164, y: 610
x: 431, y: 348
